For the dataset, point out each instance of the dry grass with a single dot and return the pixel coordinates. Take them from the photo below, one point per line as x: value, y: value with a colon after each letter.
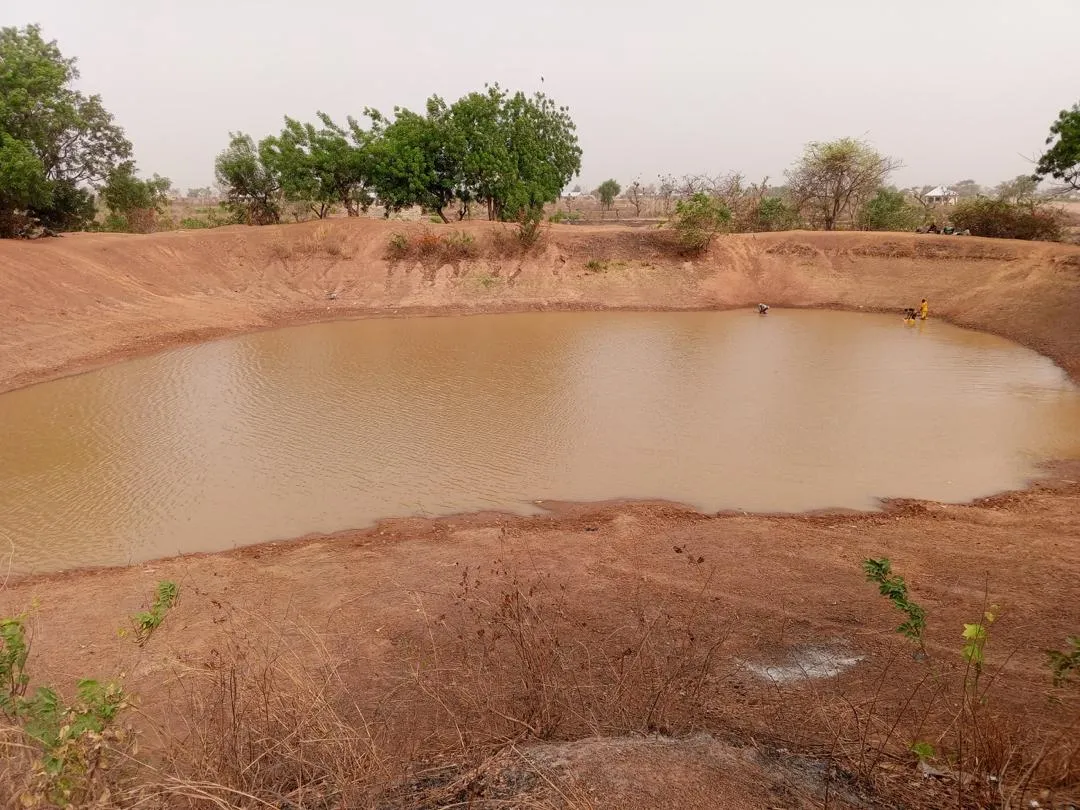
x: 429, y: 247
x: 324, y: 242
x: 282, y: 717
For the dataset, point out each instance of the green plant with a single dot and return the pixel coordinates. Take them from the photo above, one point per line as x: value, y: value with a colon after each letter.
x: 595, y: 266
x: 1065, y: 665
x: 923, y: 750
x: 890, y: 210
x: 398, y: 246
x: 459, y: 245
x: 565, y: 216
x: 1006, y: 220
x: 773, y: 214
x: 1062, y: 160
x: 697, y: 220
x: 607, y: 192
x: 70, y: 742
x: 975, y: 637
x: 147, y: 621
x: 14, y: 650
x: 530, y: 227
x: 54, y: 139
x: 893, y: 588
x: 832, y: 178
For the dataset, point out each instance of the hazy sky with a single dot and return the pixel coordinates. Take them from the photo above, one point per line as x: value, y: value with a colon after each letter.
x: 954, y: 88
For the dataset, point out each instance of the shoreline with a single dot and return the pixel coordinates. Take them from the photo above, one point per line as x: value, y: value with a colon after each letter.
x: 547, y: 281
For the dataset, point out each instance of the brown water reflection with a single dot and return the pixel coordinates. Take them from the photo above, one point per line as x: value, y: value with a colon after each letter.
x: 331, y: 426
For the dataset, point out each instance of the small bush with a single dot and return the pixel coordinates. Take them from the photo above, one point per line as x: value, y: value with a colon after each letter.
x: 890, y: 210
x: 595, y: 266
x: 697, y: 220
x: 459, y: 245
x: 773, y: 214
x: 147, y: 621
x: 398, y: 246
x: 429, y: 246
x: 530, y: 227
x: 1006, y: 220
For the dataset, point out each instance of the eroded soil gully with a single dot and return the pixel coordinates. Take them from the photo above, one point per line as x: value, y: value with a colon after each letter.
x: 779, y: 582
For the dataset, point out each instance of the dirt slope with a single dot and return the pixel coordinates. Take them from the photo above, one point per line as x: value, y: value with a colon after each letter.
x: 388, y: 610
x: 69, y: 303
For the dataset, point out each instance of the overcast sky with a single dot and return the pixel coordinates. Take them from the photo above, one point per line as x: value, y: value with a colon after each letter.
x: 955, y: 88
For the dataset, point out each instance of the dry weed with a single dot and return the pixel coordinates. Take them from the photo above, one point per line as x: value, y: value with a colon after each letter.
x: 265, y: 726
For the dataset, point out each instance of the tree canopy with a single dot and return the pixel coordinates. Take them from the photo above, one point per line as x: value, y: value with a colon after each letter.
x: 321, y: 167
x: 251, y: 187
x: 134, y: 204
x: 54, y: 140
x: 509, y: 153
x: 1062, y: 160
x: 834, y: 179
x: 607, y: 192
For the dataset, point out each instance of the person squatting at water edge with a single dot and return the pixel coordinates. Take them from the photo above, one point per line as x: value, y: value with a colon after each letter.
x: 763, y: 309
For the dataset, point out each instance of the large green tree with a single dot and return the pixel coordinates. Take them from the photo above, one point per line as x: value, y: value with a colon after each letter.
x: 55, y: 140
x: 134, y: 204
x: 833, y: 179
x: 510, y: 153
x: 252, y: 189
x: 321, y: 166
x: 414, y: 161
x: 1062, y: 160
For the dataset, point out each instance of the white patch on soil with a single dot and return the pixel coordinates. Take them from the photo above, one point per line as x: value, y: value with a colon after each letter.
x: 806, y: 663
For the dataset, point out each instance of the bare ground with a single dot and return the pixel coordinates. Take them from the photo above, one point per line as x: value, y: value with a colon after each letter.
x: 640, y: 619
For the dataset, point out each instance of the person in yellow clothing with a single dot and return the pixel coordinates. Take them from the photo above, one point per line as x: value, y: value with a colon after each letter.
x: 924, y: 309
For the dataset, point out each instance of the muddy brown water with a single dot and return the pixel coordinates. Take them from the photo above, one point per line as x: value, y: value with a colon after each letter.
x: 326, y: 427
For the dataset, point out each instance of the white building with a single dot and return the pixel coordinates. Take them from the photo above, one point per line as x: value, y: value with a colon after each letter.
x: 941, y: 195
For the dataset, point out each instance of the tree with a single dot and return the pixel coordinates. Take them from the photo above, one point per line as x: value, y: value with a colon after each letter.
x: 637, y: 195
x: 607, y: 192
x: 1062, y: 160
x: 413, y: 159
x: 134, y: 204
x: 22, y: 184
x: 1018, y: 190
x: 544, y: 152
x: 252, y: 190
x: 55, y: 140
x: 966, y: 188
x: 321, y: 167
x: 483, y: 149
x: 833, y: 179
x: 697, y: 220
x: 512, y: 153
x: 890, y: 210
x: 773, y: 214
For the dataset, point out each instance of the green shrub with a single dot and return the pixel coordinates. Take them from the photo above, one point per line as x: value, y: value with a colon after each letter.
x: 147, y: 621
x: 697, y: 220
x: 530, y: 227
x: 1006, y: 220
x: 890, y: 210
x: 773, y: 214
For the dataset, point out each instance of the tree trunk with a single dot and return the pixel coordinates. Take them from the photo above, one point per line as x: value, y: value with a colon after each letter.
x: 442, y: 216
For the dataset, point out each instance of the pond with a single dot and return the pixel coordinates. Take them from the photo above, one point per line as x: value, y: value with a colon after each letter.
x: 320, y: 428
